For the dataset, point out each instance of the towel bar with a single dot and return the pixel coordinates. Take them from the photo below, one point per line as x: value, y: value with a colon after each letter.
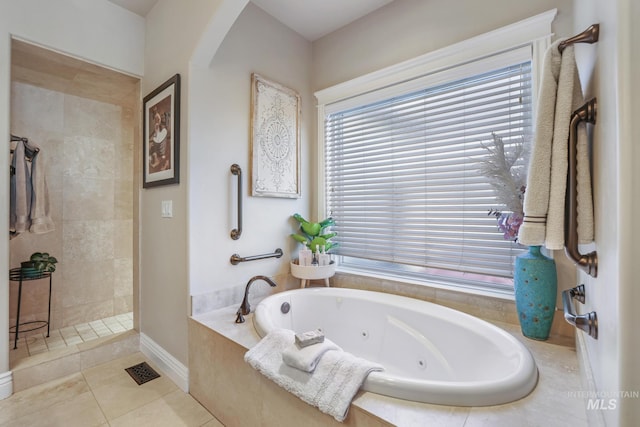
x: 588, y: 262
x: 590, y: 35
x: 236, y: 232
x: 585, y: 322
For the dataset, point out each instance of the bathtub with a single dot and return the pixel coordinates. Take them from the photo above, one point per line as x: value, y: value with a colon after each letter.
x: 430, y: 353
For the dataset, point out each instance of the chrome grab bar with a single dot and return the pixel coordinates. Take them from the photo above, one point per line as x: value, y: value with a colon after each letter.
x: 237, y: 259
x: 587, y: 262
x: 236, y: 232
x: 585, y: 322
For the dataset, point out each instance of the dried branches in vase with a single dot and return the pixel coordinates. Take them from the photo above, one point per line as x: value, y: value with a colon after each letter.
x: 505, y: 167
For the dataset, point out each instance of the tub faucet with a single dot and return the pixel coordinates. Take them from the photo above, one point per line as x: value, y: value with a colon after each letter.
x: 244, y: 307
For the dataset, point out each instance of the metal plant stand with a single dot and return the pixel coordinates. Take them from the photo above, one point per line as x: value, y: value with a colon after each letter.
x: 17, y: 275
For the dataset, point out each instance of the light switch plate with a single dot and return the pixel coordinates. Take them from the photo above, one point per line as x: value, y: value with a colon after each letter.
x: 167, y: 209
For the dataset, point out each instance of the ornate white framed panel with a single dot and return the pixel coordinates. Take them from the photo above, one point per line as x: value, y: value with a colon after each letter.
x: 275, y: 139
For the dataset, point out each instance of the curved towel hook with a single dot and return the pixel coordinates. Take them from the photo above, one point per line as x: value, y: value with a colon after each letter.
x: 588, y: 262
x: 236, y: 232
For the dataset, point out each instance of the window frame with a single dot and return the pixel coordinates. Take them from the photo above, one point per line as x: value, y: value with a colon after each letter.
x: 534, y: 32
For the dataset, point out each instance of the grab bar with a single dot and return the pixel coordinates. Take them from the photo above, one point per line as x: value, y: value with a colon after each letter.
x: 236, y: 232
x: 588, y: 262
x: 585, y: 322
x: 237, y: 259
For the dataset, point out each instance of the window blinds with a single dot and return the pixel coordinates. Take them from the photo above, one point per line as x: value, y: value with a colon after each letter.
x: 402, y: 174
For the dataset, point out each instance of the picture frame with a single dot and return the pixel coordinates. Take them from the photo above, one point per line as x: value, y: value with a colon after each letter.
x: 161, y: 135
x: 274, y: 139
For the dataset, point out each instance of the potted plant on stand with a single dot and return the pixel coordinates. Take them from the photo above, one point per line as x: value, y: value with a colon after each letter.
x: 38, y: 264
x: 534, y: 276
x: 314, y: 261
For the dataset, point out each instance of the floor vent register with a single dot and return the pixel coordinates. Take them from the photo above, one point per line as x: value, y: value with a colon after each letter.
x: 142, y: 373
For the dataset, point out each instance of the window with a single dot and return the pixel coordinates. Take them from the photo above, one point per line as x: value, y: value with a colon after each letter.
x: 401, y: 171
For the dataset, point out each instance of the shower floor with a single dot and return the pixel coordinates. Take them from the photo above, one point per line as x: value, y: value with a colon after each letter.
x: 71, y: 335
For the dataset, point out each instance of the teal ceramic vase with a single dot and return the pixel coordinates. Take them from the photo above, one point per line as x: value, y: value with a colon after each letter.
x: 536, y: 285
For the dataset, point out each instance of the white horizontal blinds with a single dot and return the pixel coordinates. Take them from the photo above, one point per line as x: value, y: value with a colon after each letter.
x: 402, y: 179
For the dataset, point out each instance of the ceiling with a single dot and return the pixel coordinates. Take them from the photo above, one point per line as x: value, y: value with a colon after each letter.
x: 140, y: 7
x: 311, y: 19
x: 315, y: 18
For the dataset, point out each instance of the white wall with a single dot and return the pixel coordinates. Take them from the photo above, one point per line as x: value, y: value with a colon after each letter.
x: 173, y: 32
x: 6, y: 385
x: 220, y: 120
x: 609, y: 72
x: 95, y: 31
x: 405, y: 29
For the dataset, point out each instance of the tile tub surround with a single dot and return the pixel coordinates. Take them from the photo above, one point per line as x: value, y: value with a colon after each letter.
x: 236, y: 394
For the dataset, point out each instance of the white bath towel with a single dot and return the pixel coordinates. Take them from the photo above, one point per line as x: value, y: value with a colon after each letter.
x: 544, y: 204
x: 307, y: 358
x: 40, y: 210
x: 20, y: 192
x: 331, y: 387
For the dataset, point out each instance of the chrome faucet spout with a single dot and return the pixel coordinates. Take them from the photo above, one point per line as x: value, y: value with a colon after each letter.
x: 244, y: 307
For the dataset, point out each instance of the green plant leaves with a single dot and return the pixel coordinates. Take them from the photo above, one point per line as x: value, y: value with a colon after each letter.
x: 44, y: 262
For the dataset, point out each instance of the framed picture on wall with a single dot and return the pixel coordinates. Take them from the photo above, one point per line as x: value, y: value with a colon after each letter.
x: 275, y: 139
x: 161, y: 135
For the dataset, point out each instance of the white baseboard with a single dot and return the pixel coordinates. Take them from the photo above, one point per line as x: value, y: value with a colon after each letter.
x: 594, y: 418
x: 6, y: 384
x: 166, y: 362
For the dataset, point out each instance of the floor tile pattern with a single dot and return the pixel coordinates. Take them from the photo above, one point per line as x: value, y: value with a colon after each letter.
x: 105, y: 395
x: 59, y: 338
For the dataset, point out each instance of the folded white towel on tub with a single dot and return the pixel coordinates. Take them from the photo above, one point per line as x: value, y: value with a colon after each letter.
x: 331, y: 387
x: 307, y: 358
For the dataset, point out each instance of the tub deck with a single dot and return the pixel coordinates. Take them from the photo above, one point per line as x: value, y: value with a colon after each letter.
x: 237, y: 395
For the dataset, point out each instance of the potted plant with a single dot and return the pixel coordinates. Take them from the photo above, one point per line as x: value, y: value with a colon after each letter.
x: 312, y: 234
x: 318, y: 243
x: 43, y: 262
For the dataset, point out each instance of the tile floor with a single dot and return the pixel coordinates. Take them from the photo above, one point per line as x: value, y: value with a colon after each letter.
x: 36, y: 343
x: 105, y: 395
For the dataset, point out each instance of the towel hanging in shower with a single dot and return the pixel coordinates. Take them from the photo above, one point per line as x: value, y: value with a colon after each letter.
x: 29, y: 195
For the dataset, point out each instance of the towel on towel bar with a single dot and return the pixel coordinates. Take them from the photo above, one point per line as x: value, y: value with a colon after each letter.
x: 307, y: 358
x: 544, y: 201
x: 331, y: 387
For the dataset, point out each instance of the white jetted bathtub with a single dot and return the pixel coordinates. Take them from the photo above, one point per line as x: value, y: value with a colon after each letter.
x: 430, y: 353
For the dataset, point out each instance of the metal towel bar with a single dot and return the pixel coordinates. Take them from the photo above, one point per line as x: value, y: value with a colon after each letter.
x: 588, y: 262
x: 236, y: 232
x: 585, y: 322
x: 590, y: 35
x: 237, y: 259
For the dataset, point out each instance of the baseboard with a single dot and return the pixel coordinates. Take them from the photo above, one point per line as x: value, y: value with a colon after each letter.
x: 166, y: 362
x: 594, y: 418
x: 6, y: 384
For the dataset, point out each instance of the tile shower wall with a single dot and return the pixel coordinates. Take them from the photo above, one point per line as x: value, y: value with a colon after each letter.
x: 88, y: 149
